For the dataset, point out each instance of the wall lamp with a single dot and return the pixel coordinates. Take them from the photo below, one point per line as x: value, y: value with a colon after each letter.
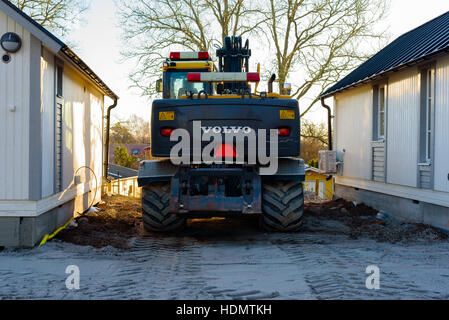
x: 11, y: 42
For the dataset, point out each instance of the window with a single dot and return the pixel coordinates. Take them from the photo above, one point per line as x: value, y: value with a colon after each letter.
x: 427, y: 110
x: 179, y: 85
x: 59, y: 78
x: 381, y: 112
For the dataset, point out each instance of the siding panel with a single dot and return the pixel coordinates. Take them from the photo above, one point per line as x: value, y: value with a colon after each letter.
x: 403, y: 128
x: 353, y: 128
x: 82, y: 129
x: 441, y: 178
x: 48, y: 123
x: 14, y: 126
x: 379, y: 161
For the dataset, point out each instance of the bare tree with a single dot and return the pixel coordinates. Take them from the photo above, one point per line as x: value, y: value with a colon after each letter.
x: 57, y: 15
x: 153, y: 27
x: 314, y: 41
x: 314, y: 131
x: 139, y: 128
x: 320, y: 40
x: 313, y: 139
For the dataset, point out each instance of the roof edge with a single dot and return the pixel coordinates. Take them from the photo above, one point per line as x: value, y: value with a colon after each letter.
x: 407, y: 64
x: 85, y: 69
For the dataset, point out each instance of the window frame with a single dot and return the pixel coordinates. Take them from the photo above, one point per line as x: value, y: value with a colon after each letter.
x: 380, y: 112
x: 59, y: 125
x: 430, y: 107
x: 427, y: 113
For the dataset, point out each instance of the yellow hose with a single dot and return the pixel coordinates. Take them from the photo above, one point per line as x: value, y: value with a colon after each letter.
x: 51, y: 236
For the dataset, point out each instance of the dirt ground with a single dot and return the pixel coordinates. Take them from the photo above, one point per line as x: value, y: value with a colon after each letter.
x: 233, y: 258
x: 119, y: 220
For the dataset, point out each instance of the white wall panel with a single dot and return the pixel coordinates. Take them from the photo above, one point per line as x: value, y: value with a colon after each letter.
x: 48, y: 122
x: 82, y: 129
x: 441, y: 162
x: 14, y: 125
x: 353, y: 130
x: 403, y: 111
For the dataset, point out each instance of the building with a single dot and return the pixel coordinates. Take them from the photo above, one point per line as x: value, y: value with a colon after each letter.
x: 391, y: 129
x: 318, y: 185
x: 137, y: 150
x: 51, y: 131
x: 119, y: 172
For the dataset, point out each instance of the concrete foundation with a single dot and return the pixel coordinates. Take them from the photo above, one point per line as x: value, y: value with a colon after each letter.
x: 27, y: 232
x: 401, y: 208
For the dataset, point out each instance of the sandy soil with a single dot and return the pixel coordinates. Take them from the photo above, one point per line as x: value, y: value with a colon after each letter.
x: 233, y: 259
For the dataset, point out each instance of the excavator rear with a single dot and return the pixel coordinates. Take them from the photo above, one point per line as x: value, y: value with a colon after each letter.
x: 223, y: 150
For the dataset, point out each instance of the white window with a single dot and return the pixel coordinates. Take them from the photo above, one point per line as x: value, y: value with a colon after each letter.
x: 381, y: 109
x: 430, y: 83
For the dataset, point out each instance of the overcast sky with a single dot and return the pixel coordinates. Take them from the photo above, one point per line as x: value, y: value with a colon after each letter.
x: 98, y: 43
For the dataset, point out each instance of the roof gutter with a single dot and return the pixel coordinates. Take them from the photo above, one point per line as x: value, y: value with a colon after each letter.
x: 106, y: 144
x: 329, y: 122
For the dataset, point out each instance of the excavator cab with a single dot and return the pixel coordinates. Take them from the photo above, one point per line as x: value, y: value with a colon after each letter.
x: 176, y: 68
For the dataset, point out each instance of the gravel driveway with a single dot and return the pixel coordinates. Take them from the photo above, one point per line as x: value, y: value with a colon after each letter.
x: 234, y: 259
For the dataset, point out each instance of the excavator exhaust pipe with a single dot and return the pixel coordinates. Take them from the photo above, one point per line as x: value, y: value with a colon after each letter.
x: 270, y: 83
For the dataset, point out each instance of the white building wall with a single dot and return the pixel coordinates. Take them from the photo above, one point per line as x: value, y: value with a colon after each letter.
x: 441, y: 161
x: 403, y: 111
x: 353, y: 130
x: 82, y: 130
x: 48, y: 122
x: 14, y: 125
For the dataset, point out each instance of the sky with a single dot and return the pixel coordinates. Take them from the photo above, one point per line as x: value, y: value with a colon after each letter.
x: 98, y: 43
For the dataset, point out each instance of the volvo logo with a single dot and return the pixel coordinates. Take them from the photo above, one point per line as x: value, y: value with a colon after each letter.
x: 227, y: 129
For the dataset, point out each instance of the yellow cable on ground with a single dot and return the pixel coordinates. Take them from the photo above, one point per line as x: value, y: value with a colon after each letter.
x: 51, y: 236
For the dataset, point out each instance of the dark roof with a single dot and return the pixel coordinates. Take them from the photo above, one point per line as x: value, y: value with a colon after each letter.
x: 67, y: 52
x: 119, y: 172
x: 415, y: 46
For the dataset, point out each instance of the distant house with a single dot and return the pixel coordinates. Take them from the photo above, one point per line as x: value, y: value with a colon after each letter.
x: 51, y: 131
x: 138, y: 150
x: 318, y: 185
x: 391, y: 127
x: 119, y: 172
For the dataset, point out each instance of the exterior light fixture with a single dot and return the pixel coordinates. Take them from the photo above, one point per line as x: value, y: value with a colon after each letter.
x: 11, y: 42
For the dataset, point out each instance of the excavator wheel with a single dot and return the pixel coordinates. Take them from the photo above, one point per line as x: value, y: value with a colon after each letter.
x: 282, y: 206
x: 155, y: 207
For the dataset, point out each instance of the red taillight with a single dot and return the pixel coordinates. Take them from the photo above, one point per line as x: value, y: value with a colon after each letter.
x: 166, y: 132
x: 284, y: 132
x: 194, y: 77
x: 175, y: 55
x: 203, y: 55
x: 226, y: 151
x: 253, y: 76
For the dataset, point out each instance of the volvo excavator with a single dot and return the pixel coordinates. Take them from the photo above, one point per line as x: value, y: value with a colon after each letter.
x: 193, y: 180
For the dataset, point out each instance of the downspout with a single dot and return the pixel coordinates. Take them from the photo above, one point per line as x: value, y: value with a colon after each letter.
x: 329, y: 122
x: 106, y: 144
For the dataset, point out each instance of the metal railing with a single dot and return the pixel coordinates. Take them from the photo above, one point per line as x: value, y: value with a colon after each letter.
x: 125, y: 187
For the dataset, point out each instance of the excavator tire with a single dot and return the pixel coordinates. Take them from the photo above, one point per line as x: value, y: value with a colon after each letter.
x: 282, y: 206
x: 155, y: 209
